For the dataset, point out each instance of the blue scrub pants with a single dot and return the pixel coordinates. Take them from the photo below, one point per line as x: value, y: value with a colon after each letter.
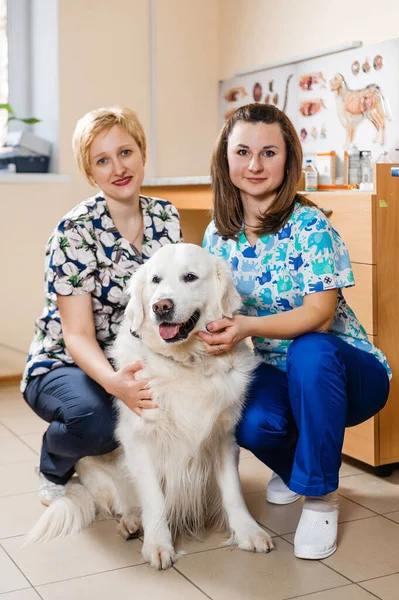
x: 294, y: 422
x: 81, y: 416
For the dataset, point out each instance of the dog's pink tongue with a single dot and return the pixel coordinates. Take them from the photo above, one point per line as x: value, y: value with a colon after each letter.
x: 168, y: 331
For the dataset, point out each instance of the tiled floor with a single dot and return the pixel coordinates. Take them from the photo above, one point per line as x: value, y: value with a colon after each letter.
x: 98, y: 564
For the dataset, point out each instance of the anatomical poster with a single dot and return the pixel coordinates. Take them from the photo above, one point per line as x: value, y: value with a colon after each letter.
x: 334, y: 100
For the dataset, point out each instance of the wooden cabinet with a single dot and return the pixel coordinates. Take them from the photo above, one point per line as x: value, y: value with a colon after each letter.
x: 369, y: 225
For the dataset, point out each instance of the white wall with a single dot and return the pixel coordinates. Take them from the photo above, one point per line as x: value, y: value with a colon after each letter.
x: 256, y: 32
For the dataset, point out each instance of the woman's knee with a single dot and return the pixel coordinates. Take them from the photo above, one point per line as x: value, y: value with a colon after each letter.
x: 265, y: 432
x: 313, y: 355
x: 95, y: 425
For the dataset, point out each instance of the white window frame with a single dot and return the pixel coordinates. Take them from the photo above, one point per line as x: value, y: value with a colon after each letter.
x: 33, y: 79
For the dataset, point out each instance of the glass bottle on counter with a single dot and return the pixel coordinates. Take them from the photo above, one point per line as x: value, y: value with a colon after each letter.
x: 311, y: 177
x: 366, y: 169
x: 354, y: 165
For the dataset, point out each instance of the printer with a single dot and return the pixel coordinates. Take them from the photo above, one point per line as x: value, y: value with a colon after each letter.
x: 28, y: 152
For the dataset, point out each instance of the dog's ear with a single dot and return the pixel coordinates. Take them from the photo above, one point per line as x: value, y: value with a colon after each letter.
x: 134, y: 312
x: 229, y: 300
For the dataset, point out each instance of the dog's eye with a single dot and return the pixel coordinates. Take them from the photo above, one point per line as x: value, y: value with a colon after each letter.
x: 189, y: 277
x: 156, y: 279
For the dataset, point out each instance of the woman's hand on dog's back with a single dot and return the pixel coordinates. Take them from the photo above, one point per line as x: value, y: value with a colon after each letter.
x: 134, y: 392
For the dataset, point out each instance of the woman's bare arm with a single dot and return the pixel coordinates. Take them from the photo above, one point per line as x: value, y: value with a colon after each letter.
x: 79, y: 333
x: 316, y: 314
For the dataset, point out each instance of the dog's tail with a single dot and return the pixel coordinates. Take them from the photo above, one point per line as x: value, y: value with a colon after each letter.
x: 66, y: 516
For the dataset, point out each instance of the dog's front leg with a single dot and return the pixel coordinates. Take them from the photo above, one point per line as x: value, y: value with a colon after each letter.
x: 157, y: 548
x: 248, y: 535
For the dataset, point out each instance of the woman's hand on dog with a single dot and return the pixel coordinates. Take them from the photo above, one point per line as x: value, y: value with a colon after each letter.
x: 135, y: 393
x: 224, y: 334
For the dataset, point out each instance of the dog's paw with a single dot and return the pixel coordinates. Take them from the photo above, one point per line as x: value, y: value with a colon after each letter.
x: 129, y: 526
x: 256, y: 541
x: 160, y: 556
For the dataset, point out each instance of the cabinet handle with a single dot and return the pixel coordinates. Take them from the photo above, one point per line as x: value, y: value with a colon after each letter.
x: 327, y: 211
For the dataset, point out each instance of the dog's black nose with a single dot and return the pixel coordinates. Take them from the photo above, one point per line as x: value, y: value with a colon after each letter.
x: 163, y: 307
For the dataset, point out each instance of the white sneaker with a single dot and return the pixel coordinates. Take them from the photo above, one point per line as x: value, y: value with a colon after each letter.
x: 316, y: 534
x: 49, y: 491
x: 278, y: 493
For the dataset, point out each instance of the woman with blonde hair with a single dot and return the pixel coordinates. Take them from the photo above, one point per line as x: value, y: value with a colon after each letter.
x: 318, y: 371
x: 69, y: 380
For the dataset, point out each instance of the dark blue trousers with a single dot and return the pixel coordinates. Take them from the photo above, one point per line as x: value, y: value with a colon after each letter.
x: 294, y: 422
x: 81, y: 416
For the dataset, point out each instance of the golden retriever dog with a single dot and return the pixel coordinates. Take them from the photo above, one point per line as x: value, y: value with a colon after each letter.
x: 177, y: 470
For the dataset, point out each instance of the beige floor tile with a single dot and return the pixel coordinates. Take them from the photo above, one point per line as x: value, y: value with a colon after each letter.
x: 18, y: 478
x: 28, y: 594
x: 96, y: 549
x: 5, y: 433
x: 124, y: 584
x: 349, y: 468
x: 386, y: 588
x: 24, y: 424
x: 366, y: 548
x: 394, y: 516
x: 207, y: 541
x: 11, y: 577
x: 284, y: 519
x: 349, y: 592
x: 19, y: 513
x: 376, y: 493
x: 34, y: 441
x: 231, y: 574
x: 12, y: 450
x: 245, y: 454
x: 254, y: 475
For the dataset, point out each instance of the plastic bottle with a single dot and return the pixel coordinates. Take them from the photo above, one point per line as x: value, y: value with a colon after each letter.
x: 353, y: 165
x: 366, y: 167
x: 311, y: 177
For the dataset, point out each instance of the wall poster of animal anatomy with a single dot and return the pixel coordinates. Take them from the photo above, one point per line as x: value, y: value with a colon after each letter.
x: 330, y: 103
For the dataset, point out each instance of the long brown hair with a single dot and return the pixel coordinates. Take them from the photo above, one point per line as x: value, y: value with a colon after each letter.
x: 228, y: 211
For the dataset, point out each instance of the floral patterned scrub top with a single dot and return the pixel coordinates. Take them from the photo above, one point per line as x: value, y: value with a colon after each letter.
x: 87, y: 254
x: 305, y: 256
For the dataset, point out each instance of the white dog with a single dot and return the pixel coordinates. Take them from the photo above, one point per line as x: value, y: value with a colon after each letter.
x: 178, y: 469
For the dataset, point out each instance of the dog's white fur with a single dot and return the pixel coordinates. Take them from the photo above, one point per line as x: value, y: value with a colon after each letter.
x: 179, y: 467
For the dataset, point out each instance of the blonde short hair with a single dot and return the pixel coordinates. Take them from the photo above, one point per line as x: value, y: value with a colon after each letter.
x: 102, y: 119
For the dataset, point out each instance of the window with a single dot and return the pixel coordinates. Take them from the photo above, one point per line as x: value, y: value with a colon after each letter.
x: 3, y: 66
x: 29, y: 68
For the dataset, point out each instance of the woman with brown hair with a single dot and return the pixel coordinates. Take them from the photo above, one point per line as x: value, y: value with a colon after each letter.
x: 318, y: 371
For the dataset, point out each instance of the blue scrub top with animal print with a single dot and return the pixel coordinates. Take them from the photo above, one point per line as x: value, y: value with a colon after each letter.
x: 307, y: 255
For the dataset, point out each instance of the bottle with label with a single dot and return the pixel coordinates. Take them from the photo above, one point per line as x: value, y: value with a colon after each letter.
x: 366, y: 168
x: 354, y: 165
x: 311, y: 177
